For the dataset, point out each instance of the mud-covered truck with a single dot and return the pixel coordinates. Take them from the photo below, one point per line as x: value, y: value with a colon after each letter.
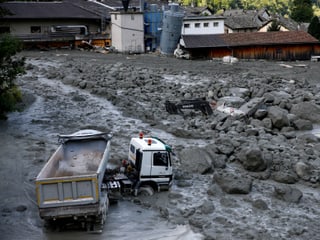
x: 148, y: 168
x: 70, y: 185
x: 76, y: 184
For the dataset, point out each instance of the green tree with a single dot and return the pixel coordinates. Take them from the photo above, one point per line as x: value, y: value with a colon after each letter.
x: 274, y: 27
x: 10, y: 67
x: 302, y: 11
x: 314, y: 27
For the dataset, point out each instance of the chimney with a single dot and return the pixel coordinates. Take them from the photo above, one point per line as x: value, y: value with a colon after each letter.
x: 125, y: 4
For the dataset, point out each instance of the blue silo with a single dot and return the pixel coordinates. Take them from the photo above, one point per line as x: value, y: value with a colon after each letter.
x: 152, y: 26
x: 171, y: 29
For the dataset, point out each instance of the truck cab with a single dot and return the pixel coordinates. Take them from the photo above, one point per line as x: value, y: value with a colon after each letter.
x: 151, y: 159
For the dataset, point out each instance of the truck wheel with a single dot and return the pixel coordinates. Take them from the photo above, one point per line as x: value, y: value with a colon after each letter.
x: 146, y: 191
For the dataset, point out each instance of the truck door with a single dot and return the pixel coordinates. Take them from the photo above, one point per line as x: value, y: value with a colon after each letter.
x: 139, y: 156
x: 161, y: 164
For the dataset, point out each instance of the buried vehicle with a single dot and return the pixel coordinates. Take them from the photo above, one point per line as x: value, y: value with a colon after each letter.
x: 76, y: 186
x: 147, y: 169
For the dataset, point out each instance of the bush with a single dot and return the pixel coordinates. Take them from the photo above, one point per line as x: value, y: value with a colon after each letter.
x: 10, y: 94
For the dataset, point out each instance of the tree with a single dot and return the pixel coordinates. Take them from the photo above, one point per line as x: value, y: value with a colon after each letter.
x: 10, y: 67
x: 274, y: 27
x: 302, y: 11
x: 314, y: 27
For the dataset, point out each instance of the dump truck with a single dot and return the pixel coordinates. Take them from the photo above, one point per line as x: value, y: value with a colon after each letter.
x: 70, y: 185
x: 75, y: 184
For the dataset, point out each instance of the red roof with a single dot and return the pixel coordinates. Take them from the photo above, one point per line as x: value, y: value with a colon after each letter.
x: 248, y: 38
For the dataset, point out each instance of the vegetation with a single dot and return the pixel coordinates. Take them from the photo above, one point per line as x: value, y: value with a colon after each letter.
x: 302, y: 10
x: 314, y: 27
x: 10, y: 67
x: 286, y: 8
x: 274, y: 27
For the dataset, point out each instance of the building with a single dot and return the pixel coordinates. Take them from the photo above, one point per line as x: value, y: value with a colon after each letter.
x: 152, y: 26
x: 245, y: 20
x: 286, y: 46
x: 53, y: 24
x: 127, y: 31
x: 198, y: 25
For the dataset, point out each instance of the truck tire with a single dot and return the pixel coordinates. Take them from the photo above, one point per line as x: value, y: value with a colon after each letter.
x: 146, y: 191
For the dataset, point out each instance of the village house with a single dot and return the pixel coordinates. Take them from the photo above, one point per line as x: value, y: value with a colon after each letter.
x: 53, y: 24
x: 128, y: 32
x: 286, y: 46
x: 195, y: 25
x: 240, y: 20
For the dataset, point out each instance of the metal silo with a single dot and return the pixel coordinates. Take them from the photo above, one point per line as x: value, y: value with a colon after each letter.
x: 152, y: 23
x: 171, y: 29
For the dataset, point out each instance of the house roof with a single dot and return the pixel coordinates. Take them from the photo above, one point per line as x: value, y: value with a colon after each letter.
x: 202, y: 18
x: 47, y: 10
x: 89, y: 9
x: 248, y: 39
x: 196, y: 11
x: 241, y: 22
x: 245, y: 19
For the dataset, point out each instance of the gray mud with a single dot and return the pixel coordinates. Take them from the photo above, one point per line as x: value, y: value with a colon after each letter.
x: 235, y: 178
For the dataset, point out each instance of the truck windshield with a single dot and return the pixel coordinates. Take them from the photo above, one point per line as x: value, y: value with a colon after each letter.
x: 160, y: 159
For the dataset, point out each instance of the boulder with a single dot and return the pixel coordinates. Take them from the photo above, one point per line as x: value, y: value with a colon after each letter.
x: 233, y: 183
x: 196, y: 160
x: 278, y: 117
x: 252, y: 159
x: 302, y: 124
x: 303, y: 170
x: 288, y: 194
x: 307, y: 110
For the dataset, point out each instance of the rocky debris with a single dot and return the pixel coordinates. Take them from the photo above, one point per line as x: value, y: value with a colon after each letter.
x: 21, y: 208
x: 307, y: 110
x: 256, y: 156
x: 233, y: 183
x: 252, y: 159
x: 288, y: 194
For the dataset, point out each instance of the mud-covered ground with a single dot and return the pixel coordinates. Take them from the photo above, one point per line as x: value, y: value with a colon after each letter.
x: 218, y: 193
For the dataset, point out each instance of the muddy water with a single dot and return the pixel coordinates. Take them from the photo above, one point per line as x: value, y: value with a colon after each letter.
x: 28, y: 138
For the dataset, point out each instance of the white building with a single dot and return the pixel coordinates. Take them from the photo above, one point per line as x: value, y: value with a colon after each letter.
x: 202, y: 25
x: 127, y: 32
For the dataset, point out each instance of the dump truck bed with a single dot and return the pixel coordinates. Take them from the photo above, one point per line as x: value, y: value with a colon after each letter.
x: 70, y: 182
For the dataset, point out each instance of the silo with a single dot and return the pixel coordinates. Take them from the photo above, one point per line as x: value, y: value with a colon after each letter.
x: 152, y: 23
x: 171, y: 29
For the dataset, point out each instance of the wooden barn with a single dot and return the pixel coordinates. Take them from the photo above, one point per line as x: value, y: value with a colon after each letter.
x: 286, y: 46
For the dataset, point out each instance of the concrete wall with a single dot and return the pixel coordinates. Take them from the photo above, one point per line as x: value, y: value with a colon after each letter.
x: 202, y: 26
x: 127, y: 32
x: 24, y: 27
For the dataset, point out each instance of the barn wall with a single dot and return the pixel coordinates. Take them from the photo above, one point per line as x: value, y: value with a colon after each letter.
x: 276, y: 52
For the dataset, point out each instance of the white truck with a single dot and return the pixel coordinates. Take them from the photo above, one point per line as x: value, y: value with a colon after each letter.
x: 75, y: 185
x: 147, y: 169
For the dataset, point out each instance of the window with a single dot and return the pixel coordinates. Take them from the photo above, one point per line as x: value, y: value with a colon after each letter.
x: 197, y: 25
x: 205, y: 24
x: 186, y: 25
x: 35, y: 29
x: 132, y: 149
x: 215, y: 24
x: 160, y: 159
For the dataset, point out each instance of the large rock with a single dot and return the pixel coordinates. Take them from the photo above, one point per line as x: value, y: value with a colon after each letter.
x: 233, y: 183
x: 252, y: 159
x: 303, y: 170
x: 278, y: 117
x: 288, y: 194
x: 307, y: 110
x: 195, y: 160
x: 302, y: 124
